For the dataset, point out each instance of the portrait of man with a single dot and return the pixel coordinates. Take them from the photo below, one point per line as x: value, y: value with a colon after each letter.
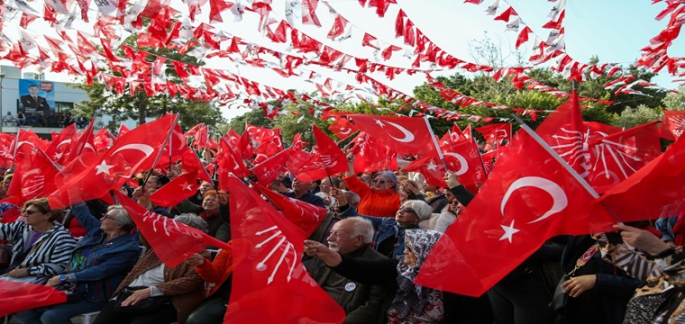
x: 33, y: 101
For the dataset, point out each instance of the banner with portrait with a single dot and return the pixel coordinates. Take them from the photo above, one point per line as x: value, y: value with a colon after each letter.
x: 36, y: 97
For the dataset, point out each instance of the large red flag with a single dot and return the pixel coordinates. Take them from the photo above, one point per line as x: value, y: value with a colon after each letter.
x: 6, y: 152
x: 228, y: 161
x: 528, y: 198
x: 173, y: 193
x: 405, y: 135
x: 673, y: 124
x: 25, y: 141
x: 615, y: 157
x: 172, y: 241
x: 102, y: 140
x: 430, y: 167
x: 191, y: 163
x: 271, y: 285
x: 245, y: 146
x: 305, y: 215
x: 305, y: 166
x: 652, y: 190
x: 270, y: 144
x: 17, y: 296
x: 132, y: 153
x: 371, y: 155
x: 175, y: 149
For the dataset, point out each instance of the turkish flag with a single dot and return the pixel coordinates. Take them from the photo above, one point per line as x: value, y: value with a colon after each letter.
x: 673, y: 124
x: 17, y: 296
x: 132, y: 153
x: 305, y: 166
x: 371, y: 155
x: 173, y: 193
x: 332, y: 158
x: 269, y: 170
x: 405, y: 135
x: 270, y: 144
x: 563, y: 130
x: 495, y: 133
x: 25, y: 142
x: 462, y: 157
x: 173, y: 242
x: 230, y: 161
x: 29, y: 181
x: 655, y: 188
x: 615, y: 157
x: 84, y: 143
x: 528, y: 198
x: 60, y: 146
x: 271, y: 285
x: 192, y: 164
x: 175, y: 149
x: 193, y: 131
x: 102, y: 140
x: 431, y: 168
x: 245, y: 146
x: 122, y: 130
x: 305, y: 215
x: 342, y: 128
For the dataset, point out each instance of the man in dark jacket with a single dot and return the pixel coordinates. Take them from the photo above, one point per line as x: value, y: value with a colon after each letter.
x: 362, y: 303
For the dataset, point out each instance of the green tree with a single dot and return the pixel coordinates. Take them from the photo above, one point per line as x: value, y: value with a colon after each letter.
x: 103, y: 101
x: 675, y: 101
x: 255, y: 117
x: 631, y: 117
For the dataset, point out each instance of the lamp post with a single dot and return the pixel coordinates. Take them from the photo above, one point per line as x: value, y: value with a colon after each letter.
x: 2, y: 76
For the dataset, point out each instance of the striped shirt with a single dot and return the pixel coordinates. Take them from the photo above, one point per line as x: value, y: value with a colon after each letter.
x: 47, y: 257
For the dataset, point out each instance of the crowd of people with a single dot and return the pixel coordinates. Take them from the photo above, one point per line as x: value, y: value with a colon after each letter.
x: 365, y: 254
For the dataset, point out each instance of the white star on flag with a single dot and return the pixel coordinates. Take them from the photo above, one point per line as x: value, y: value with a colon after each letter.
x: 432, y: 166
x: 187, y: 186
x: 103, y: 168
x: 509, y: 232
x: 380, y: 123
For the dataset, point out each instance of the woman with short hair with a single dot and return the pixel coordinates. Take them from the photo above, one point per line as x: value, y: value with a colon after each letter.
x: 41, y: 246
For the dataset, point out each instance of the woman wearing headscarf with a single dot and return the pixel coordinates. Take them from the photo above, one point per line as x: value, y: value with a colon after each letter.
x: 41, y: 247
x: 98, y: 264
x: 381, y: 198
x: 412, y: 303
x: 181, y: 285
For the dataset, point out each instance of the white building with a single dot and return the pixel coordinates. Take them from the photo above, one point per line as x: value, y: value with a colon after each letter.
x: 60, y: 98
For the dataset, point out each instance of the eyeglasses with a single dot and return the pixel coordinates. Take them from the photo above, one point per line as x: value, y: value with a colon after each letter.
x: 408, y: 210
x: 31, y: 212
x: 105, y: 216
x: 379, y: 181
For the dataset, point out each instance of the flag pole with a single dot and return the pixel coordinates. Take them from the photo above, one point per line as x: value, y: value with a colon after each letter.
x: 435, y: 143
x: 159, y: 155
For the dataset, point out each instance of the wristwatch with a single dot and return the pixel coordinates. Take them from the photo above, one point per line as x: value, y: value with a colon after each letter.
x: 63, y: 278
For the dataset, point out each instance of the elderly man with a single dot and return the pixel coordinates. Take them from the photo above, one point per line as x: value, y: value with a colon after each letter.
x: 362, y: 303
x: 301, y: 192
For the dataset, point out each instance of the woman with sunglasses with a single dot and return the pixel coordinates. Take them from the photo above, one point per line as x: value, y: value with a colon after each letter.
x: 97, y: 266
x: 381, y: 198
x: 41, y: 247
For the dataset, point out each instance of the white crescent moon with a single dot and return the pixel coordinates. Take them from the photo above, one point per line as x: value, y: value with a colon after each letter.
x: 25, y: 142
x: 553, y: 189
x: 454, y: 136
x: 346, y: 131
x: 463, y: 165
x: 66, y: 141
x: 408, y: 136
x: 147, y: 149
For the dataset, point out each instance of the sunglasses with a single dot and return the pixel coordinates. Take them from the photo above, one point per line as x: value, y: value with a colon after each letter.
x: 379, y: 181
x: 408, y: 210
x: 31, y: 212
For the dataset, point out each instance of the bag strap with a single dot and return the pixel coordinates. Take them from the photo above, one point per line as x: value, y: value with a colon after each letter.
x: 585, y: 258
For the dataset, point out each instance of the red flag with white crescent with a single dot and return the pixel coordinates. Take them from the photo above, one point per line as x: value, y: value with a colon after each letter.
x: 405, y: 135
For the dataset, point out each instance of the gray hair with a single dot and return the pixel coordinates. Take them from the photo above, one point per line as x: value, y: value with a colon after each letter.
x: 351, y: 197
x: 193, y: 221
x: 362, y: 227
x: 121, y: 216
x: 423, y: 210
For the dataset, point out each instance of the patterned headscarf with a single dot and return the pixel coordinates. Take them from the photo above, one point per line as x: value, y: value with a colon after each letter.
x: 411, y: 297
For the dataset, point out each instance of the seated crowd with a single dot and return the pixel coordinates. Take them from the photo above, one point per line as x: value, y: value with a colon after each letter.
x: 365, y: 254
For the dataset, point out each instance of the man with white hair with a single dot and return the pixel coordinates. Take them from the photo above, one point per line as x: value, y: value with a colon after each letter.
x: 362, y: 303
